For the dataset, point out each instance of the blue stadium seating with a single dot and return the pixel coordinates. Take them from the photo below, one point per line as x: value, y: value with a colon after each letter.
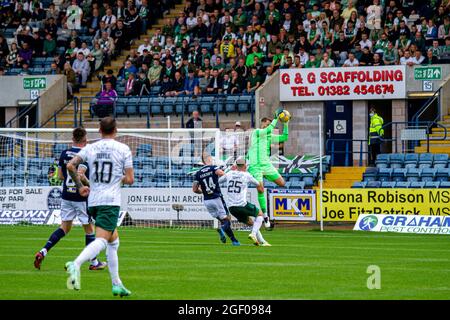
x: 411, y: 160
x: 384, y: 174
x: 388, y: 184
x: 440, y: 160
x: 432, y: 184
x: 359, y: 184
x: 373, y: 184
x: 413, y: 174
x: 396, y: 160
x: 428, y: 174
x: 399, y: 174
x: 382, y: 160
x: 417, y: 184
x: 402, y: 184
x: 425, y: 160
x: 442, y: 174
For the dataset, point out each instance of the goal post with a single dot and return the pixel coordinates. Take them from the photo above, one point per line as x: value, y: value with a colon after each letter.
x: 164, y: 161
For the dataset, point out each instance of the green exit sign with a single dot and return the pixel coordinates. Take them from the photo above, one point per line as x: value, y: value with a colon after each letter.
x: 35, y: 83
x: 428, y: 73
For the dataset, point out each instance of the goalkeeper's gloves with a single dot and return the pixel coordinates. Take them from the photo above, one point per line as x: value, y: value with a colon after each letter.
x: 277, y: 112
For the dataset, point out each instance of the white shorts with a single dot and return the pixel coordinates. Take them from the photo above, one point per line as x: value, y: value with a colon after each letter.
x: 216, y: 208
x: 72, y: 209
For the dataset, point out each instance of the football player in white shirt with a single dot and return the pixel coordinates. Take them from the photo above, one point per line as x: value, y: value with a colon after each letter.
x: 111, y: 165
x: 237, y: 182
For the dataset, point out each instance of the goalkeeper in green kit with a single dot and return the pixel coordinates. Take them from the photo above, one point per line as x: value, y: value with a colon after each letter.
x: 259, y: 157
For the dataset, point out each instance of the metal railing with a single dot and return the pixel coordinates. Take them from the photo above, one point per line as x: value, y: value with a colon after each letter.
x: 183, y: 101
x: 54, y: 118
x: 34, y: 104
x: 331, y: 144
x: 435, y: 97
x: 330, y: 149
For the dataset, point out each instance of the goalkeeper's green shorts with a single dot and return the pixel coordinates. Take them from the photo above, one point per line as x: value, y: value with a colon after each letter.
x: 260, y: 171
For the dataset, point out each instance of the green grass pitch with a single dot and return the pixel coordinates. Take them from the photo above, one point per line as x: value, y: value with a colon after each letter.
x: 193, y: 264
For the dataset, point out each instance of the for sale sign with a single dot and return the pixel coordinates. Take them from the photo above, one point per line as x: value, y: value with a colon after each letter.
x: 356, y: 83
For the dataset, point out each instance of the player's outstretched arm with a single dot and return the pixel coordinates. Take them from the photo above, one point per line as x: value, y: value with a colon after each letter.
x: 128, y: 178
x: 278, y: 138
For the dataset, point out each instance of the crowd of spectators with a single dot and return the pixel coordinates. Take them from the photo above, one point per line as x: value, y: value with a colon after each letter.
x: 228, y: 46
x: 233, y: 46
x: 79, y: 36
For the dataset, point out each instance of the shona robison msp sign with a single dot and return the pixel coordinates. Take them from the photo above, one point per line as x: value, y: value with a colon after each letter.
x: 353, y: 83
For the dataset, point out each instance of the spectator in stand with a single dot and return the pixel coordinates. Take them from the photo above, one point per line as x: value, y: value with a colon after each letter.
x: 430, y: 58
x: 191, y: 84
x: 215, y: 83
x: 351, y: 61
x: 166, y: 85
x: 97, y: 54
x: 254, y: 81
x: 25, y: 69
x: 25, y: 54
x: 154, y: 72
x: 418, y: 58
x: 177, y: 86
x: 326, y: 61
x: 74, y: 15
x: 71, y: 78
x: 13, y: 55
x: 54, y: 69
x: 49, y: 47
x: 109, y: 77
x: 105, y: 102
x: 82, y: 69
x: 130, y: 85
x: 142, y: 84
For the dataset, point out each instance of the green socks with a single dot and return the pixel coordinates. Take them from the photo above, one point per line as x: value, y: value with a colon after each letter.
x: 262, y: 202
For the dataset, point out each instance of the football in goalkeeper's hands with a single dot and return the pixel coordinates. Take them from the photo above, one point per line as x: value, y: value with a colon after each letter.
x: 284, y: 116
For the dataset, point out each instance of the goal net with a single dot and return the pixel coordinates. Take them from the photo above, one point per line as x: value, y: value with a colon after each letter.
x: 164, y: 161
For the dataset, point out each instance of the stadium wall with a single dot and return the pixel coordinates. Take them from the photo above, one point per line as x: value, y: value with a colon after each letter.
x: 53, y: 97
x: 304, y: 126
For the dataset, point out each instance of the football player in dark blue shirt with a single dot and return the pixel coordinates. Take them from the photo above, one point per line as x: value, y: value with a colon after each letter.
x: 73, y: 205
x: 206, y: 182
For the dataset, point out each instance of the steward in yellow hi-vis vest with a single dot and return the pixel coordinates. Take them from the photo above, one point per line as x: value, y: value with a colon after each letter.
x: 376, y: 134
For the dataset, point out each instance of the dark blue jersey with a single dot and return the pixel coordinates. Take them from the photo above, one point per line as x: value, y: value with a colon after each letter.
x: 70, y: 191
x: 209, y: 182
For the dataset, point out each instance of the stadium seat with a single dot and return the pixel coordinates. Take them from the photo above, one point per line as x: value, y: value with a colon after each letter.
x: 297, y: 185
x: 382, y: 160
x: 402, y: 184
x: 413, y: 174
x: 359, y: 184
x: 411, y: 160
x: 444, y: 184
x: 144, y: 150
x: 442, y: 174
x: 181, y: 102
x: 155, y: 105
x: 370, y: 174
x: 432, y: 184
x: 373, y: 184
x: 120, y: 107
x: 399, y: 174
x: 230, y: 104
x: 425, y: 160
x: 396, y: 160
x: 384, y: 174
x: 417, y: 184
x: 428, y: 174
x: 169, y: 105
x: 440, y: 160
x: 388, y: 184
x: 132, y: 106
x: 207, y: 104
x: 309, y: 178
x: 244, y: 104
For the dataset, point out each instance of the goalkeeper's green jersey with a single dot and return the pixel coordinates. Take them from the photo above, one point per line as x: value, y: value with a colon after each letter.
x: 261, y: 140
